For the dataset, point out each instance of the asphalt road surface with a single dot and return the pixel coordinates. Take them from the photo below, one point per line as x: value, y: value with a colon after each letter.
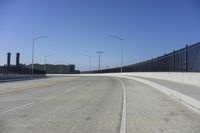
x: 91, y: 105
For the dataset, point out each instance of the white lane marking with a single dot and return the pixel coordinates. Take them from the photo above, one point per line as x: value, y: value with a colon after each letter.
x: 189, y: 102
x: 19, y: 107
x: 123, y: 120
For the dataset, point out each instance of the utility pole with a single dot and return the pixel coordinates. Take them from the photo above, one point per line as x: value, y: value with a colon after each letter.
x: 122, y: 50
x: 45, y: 61
x: 89, y: 65
x: 33, y: 50
x: 100, y: 52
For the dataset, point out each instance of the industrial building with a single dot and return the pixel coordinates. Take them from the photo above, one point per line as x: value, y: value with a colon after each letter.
x: 56, y: 69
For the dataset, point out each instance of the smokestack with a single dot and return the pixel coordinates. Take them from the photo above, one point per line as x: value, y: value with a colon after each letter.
x: 8, y: 59
x: 17, y: 59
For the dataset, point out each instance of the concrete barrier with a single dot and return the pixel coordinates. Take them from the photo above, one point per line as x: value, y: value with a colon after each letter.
x: 180, y: 77
x: 186, y: 78
x: 4, y: 77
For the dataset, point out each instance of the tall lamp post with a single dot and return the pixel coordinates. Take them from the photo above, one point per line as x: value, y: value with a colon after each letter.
x: 100, y: 52
x: 45, y: 61
x: 33, y: 50
x: 122, y: 49
x: 59, y: 64
x: 89, y: 58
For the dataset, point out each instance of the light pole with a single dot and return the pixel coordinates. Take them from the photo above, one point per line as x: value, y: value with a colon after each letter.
x: 33, y: 50
x: 59, y: 66
x: 122, y: 49
x: 45, y: 61
x: 89, y: 58
x: 100, y: 52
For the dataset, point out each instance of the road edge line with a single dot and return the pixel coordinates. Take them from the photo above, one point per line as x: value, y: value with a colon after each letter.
x: 184, y: 99
x: 123, y: 119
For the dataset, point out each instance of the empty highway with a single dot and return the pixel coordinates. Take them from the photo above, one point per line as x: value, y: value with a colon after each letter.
x: 91, y: 104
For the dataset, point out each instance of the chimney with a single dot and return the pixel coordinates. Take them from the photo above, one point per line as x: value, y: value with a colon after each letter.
x: 8, y: 59
x: 17, y: 59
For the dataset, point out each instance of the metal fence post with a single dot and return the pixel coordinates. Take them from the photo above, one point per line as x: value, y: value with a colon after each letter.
x: 174, y: 61
x: 186, y: 58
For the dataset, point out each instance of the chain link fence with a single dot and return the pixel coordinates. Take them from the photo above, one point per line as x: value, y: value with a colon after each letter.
x: 13, y: 72
x: 183, y: 60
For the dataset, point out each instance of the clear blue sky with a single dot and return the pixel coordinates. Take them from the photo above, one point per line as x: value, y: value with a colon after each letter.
x: 77, y: 27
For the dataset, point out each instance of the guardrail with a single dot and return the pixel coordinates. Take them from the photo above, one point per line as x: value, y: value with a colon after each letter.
x: 18, y: 72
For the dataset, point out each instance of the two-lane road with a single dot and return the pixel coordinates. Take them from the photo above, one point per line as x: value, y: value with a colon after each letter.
x: 91, y: 105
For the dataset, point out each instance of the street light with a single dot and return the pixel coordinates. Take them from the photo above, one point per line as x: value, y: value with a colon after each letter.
x: 45, y: 60
x: 100, y: 52
x: 33, y: 50
x: 122, y: 49
x: 59, y: 64
x: 89, y: 57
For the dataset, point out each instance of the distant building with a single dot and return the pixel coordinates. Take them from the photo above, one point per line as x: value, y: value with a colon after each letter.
x: 56, y: 69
